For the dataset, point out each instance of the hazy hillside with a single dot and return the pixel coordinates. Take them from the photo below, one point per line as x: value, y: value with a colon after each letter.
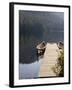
x: 48, y: 26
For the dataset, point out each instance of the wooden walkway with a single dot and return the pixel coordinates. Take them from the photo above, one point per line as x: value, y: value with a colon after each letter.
x: 49, y: 60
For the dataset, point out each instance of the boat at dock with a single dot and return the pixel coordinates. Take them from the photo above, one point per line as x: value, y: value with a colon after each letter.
x: 60, y: 45
x: 41, y: 48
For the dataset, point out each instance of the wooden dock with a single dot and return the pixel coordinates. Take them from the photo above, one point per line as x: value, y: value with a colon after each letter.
x: 49, y: 60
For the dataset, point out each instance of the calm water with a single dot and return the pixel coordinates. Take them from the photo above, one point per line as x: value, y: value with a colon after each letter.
x: 35, y: 27
x: 29, y: 71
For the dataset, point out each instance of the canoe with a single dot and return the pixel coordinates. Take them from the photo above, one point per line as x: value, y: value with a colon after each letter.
x: 41, y: 48
x: 60, y: 45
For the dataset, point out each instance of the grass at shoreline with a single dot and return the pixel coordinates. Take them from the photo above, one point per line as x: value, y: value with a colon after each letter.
x: 59, y: 66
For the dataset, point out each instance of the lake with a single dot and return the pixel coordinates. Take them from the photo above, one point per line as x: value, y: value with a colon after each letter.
x: 29, y: 71
x: 35, y: 27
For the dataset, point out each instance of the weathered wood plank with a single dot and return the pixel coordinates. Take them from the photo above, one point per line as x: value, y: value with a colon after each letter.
x: 49, y: 60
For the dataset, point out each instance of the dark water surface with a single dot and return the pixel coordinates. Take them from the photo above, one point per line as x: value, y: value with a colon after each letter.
x: 35, y: 27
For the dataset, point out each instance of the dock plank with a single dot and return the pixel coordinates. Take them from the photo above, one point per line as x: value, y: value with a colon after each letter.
x: 49, y: 60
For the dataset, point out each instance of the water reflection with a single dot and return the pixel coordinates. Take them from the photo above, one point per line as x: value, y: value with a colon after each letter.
x: 29, y: 71
x: 34, y: 27
x: 27, y: 54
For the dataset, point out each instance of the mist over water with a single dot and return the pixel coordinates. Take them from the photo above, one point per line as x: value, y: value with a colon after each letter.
x: 35, y: 27
x: 29, y: 71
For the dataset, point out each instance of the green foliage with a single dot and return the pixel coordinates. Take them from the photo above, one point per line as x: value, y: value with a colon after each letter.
x: 61, y: 63
x: 59, y: 67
